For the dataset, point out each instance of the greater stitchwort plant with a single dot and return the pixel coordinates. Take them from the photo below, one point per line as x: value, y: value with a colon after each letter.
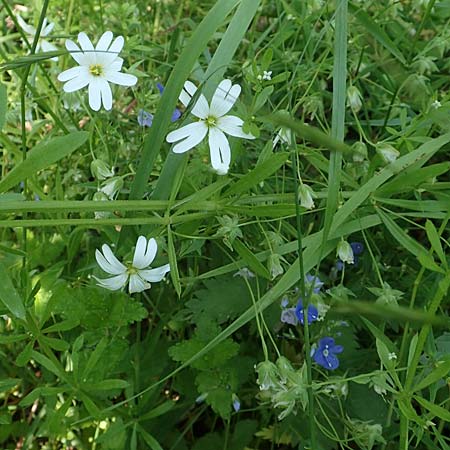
x: 300, y: 301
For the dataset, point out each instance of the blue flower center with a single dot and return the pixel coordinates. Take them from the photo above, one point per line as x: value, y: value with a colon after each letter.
x: 325, y: 353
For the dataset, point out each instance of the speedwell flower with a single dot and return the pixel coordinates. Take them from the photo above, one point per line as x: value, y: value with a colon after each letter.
x: 138, y: 272
x: 213, y: 122
x: 45, y: 31
x: 325, y: 354
x: 97, y: 68
x: 312, y: 313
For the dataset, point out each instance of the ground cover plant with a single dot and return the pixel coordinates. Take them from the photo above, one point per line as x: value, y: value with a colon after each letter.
x: 224, y: 224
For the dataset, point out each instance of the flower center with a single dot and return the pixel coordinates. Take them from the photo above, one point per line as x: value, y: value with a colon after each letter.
x: 96, y: 70
x: 211, y: 121
x: 325, y: 353
x: 132, y: 270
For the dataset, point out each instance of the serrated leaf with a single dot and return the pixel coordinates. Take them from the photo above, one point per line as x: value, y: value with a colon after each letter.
x: 42, y: 156
x: 222, y: 299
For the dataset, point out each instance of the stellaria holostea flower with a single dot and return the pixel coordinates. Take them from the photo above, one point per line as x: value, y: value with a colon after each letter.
x: 97, y: 68
x: 213, y: 122
x: 45, y: 31
x: 138, y: 272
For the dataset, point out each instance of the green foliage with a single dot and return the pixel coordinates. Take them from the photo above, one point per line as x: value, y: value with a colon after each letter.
x: 348, y: 99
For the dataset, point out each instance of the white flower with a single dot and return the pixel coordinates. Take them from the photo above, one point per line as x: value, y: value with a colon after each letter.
x: 213, y: 122
x: 45, y: 31
x: 392, y: 355
x: 96, y: 68
x: 345, y: 252
x: 306, y: 195
x: 138, y: 271
x: 267, y: 75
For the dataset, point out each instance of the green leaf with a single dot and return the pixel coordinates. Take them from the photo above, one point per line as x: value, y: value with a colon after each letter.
x: 379, y: 34
x: 3, y: 105
x: 45, y: 362
x: 8, y: 294
x: 57, y: 344
x: 95, y: 356
x: 107, y: 385
x: 260, y: 173
x: 401, y: 236
x: 435, y: 241
x: 158, y: 411
x: 65, y: 325
x: 436, y: 410
x: 8, y: 383
x: 149, y: 439
x: 441, y: 371
x: 173, y: 262
x: 246, y: 254
x: 42, y: 156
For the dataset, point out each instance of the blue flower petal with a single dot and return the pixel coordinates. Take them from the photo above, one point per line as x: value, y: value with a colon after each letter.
x: 357, y: 247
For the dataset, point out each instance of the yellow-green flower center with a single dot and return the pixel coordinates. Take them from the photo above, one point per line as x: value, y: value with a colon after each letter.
x: 132, y: 270
x: 211, y: 121
x: 96, y: 70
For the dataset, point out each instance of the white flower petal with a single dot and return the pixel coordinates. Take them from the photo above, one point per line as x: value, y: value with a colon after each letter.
x: 106, y: 93
x: 201, y: 108
x: 117, y: 45
x: 95, y: 98
x: 116, y: 265
x: 192, y: 134
x: 85, y: 42
x: 232, y: 125
x: 154, y: 275
x: 25, y: 27
x: 219, y: 149
x: 46, y: 30
x: 48, y: 47
x: 114, y: 283
x: 116, y: 65
x: 189, y: 89
x: 224, y: 98
x: 123, y: 79
x: 145, y: 252
x: 104, y: 42
x: 137, y: 284
x: 77, y: 83
x: 75, y: 52
x: 71, y: 73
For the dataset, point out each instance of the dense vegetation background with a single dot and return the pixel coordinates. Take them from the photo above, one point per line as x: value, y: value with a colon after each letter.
x: 331, y: 223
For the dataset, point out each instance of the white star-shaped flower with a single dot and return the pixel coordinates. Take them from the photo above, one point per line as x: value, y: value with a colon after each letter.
x: 97, y: 68
x: 213, y: 122
x: 138, y: 272
x: 45, y: 31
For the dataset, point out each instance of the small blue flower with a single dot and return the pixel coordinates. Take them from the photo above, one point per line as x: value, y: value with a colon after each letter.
x: 357, y: 247
x: 325, y: 354
x: 317, y: 282
x: 144, y: 118
x: 289, y: 316
x: 177, y: 113
x: 313, y: 313
x: 236, y: 402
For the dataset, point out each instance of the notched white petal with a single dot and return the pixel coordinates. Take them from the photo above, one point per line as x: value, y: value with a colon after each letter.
x: 113, y: 283
x: 156, y: 274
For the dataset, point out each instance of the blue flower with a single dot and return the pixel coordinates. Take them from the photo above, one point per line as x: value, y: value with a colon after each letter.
x: 309, y: 279
x: 145, y: 119
x: 313, y: 313
x: 236, y: 402
x: 357, y: 249
x: 289, y: 316
x: 325, y: 354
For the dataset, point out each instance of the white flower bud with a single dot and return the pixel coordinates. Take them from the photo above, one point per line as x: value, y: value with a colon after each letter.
x: 101, y: 170
x: 112, y: 187
x: 345, y: 252
x: 388, y: 153
x: 354, y: 98
x: 305, y: 196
